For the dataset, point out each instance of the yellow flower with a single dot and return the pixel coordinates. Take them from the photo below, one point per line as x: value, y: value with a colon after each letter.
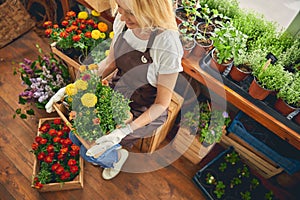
x: 83, y: 15
x: 96, y: 34
x: 95, y: 13
x: 102, y: 35
x: 111, y: 35
x: 81, y: 84
x: 71, y: 89
x: 70, y: 99
x: 93, y: 66
x: 82, y: 68
x: 89, y: 100
x: 106, y: 52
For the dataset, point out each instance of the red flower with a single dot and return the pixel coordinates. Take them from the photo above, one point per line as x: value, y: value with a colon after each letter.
x: 38, y: 185
x: 47, y: 24
x: 73, y: 153
x: 38, y: 139
x: 52, y: 154
x: 74, y: 169
x: 57, y: 121
x: 67, y: 141
x: 90, y: 22
x: 55, y: 166
x: 65, y: 175
x: 71, y: 14
x: 60, y: 133
x: 65, y: 23
x: 64, y: 34
x: 56, y: 139
x: 41, y: 156
x: 43, y: 141
x: 64, y: 150
x: 74, y: 147
x: 44, y: 128
x: 88, y: 34
x: 61, y: 156
x: 60, y: 170
x: 76, y: 38
x: 66, y: 129
x: 82, y: 26
x: 48, y: 32
x: 50, y: 148
x: 48, y: 159
x: 52, y: 132
x: 55, y: 26
x: 34, y: 146
x: 72, y: 162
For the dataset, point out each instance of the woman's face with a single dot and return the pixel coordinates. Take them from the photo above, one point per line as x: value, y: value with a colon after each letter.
x: 126, y: 15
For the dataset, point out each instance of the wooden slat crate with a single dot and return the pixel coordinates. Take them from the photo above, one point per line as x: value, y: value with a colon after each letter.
x: 190, y: 146
x: 252, y: 158
x: 76, y: 183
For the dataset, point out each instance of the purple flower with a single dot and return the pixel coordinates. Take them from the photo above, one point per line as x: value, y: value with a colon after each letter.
x: 27, y: 61
x: 225, y: 114
x: 86, y: 77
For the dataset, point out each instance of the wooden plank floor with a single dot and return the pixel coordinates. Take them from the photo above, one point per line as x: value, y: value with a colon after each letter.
x: 16, y: 137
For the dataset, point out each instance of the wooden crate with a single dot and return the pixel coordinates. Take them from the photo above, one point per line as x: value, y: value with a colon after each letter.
x: 190, y: 146
x: 150, y: 144
x: 76, y: 183
x: 262, y: 165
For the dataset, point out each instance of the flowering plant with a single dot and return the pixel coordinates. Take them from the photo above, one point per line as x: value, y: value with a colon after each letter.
x: 95, y: 107
x: 58, y: 157
x: 82, y: 32
x: 208, y: 124
x: 42, y: 77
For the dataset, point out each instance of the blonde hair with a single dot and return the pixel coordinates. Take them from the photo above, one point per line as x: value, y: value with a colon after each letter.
x: 150, y: 13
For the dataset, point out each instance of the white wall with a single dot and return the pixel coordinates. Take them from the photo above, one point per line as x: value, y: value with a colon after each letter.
x: 281, y: 11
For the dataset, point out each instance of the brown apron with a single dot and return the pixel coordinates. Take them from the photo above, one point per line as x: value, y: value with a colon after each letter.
x: 131, y: 81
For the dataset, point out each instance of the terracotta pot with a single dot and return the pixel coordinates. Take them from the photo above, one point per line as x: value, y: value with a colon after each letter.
x: 201, y: 49
x: 237, y: 74
x: 297, y: 118
x: 258, y: 92
x: 216, y: 66
x: 283, y: 108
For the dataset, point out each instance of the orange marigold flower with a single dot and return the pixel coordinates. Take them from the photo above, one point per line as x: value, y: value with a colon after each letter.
x: 65, y: 23
x: 102, y: 27
x: 48, y: 32
x: 47, y: 24
x: 64, y: 34
x: 71, y: 14
x: 76, y: 38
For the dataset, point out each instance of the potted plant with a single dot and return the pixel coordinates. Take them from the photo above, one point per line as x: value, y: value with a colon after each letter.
x: 188, y: 11
x: 200, y: 128
x: 42, y: 77
x: 95, y: 108
x: 81, y: 32
x: 188, y: 43
x: 203, y: 44
x: 272, y: 78
x: 227, y: 42
x: 288, y: 97
x: 57, y: 164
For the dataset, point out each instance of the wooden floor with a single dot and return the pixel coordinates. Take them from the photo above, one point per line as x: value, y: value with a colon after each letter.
x: 16, y: 137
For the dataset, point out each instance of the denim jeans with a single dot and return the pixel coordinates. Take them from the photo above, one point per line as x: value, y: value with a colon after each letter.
x: 106, y: 160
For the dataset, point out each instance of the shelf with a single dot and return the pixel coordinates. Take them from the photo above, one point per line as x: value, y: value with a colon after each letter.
x: 266, y: 116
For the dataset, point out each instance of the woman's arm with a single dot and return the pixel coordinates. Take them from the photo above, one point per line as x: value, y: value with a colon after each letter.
x: 165, y: 87
x: 108, y: 65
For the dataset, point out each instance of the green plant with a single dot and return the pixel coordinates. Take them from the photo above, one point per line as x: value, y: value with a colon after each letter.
x: 82, y: 32
x: 232, y: 158
x: 290, y: 91
x: 243, y: 172
x: 227, y: 42
x: 254, y: 183
x: 220, y: 189
x: 235, y: 181
x: 96, y: 108
x: 274, y: 77
x: 210, y: 179
x: 223, y: 167
x: 291, y: 56
x: 209, y: 124
x: 58, y: 157
x: 246, y: 195
x: 43, y: 77
x: 190, y: 8
x: 101, y: 51
x: 269, y: 195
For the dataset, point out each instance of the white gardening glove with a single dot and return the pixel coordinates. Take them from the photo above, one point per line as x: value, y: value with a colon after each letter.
x: 55, y: 98
x: 107, y: 141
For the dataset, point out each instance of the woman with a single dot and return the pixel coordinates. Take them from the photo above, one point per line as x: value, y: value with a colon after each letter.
x: 146, y: 51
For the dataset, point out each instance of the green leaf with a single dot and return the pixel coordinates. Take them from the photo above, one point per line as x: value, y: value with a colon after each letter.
x: 23, y: 116
x: 30, y: 112
x: 22, y: 100
x: 18, y: 111
x: 40, y: 105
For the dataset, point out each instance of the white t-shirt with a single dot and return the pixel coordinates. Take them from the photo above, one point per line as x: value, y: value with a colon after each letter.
x: 166, y: 51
